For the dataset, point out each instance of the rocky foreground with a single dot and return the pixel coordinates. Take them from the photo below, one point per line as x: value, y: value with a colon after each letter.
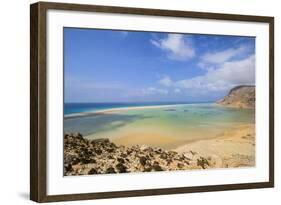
x: 100, y: 156
x: 242, y: 96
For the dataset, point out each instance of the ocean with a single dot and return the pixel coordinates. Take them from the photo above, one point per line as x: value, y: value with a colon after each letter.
x: 165, y: 127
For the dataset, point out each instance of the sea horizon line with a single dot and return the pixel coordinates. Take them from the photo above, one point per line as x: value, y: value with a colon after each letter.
x: 160, y: 102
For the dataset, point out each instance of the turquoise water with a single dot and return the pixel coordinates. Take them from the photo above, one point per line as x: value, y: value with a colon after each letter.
x: 182, y: 123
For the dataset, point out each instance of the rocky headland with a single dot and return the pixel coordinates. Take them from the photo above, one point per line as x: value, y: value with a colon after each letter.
x: 242, y: 96
x: 100, y: 156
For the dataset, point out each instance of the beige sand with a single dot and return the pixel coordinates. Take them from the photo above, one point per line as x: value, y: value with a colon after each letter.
x: 153, y: 139
x: 234, y: 148
x: 118, y: 110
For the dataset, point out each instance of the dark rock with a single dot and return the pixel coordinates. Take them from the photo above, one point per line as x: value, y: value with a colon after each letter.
x: 163, y: 156
x: 155, y: 163
x: 86, y: 160
x: 157, y: 167
x: 123, y: 155
x: 182, y: 157
x: 111, y: 145
x: 121, y: 167
x: 143, y: 160
x: 169, y: 161
x: 110, y: 150
x: 187, y: 162
x: 68, y: 158
x: 202, y: 162
x: 75, y: 161
x: 147, y: 169
x: 81, y: 154
x: 78, y: 135
x: 67, y: 167
x: 83, y: 150
x: 129, y: 152
x: 121, y: 160
x: 93, y: 171
x: 159, y: 151
x: 110, y: 170
x: 89, y: 152
x: 98, y: 151
x: 180, y: 165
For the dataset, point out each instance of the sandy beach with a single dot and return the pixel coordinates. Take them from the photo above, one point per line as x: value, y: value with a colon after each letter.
x: 118, y: 110
x: 149, y: 138
x: 234, y: 148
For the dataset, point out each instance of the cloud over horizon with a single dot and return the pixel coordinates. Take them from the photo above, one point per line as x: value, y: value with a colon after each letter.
x: 222, y: 56
x: 228, y: 75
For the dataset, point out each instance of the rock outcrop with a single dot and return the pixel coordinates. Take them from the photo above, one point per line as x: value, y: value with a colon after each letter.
x: 100, y: 156
x: 242, y: 96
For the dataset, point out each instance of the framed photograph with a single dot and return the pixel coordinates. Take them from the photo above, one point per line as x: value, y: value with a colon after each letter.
x: 134, y: 102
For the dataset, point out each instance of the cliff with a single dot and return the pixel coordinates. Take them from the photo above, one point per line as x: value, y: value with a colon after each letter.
x: 242, y: 96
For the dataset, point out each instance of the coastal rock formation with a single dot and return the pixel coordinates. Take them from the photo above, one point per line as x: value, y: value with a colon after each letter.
x: 242, y: 96
x: 100, y: 156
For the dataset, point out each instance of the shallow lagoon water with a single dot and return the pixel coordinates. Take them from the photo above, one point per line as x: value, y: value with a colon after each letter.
x: 162, y: 127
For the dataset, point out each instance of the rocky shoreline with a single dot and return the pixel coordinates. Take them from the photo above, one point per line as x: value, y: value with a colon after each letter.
x: 242, y: 96
x: 100, y: 156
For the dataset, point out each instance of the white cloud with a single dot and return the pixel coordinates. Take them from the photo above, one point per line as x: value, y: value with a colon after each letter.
x: 166, y: 81
x: 177, y: 47
x: 205, y: 66
x: 222, y: 56
x: 229, y: 74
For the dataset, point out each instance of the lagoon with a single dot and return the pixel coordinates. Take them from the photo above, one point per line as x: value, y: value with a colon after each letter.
x: 160, y: 125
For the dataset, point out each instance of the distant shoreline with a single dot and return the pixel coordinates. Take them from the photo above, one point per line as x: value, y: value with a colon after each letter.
x: 116, y: 110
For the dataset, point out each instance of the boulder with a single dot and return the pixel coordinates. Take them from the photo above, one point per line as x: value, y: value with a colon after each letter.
x: 121, y: 168
x: 110, y: 170
x: 143, y: 160
x: 92, y: 171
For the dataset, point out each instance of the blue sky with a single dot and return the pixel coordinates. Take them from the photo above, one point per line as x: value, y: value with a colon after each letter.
x: 127, y: 66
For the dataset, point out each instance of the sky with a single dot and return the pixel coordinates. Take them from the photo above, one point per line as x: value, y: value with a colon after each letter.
x: 132, y: 66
